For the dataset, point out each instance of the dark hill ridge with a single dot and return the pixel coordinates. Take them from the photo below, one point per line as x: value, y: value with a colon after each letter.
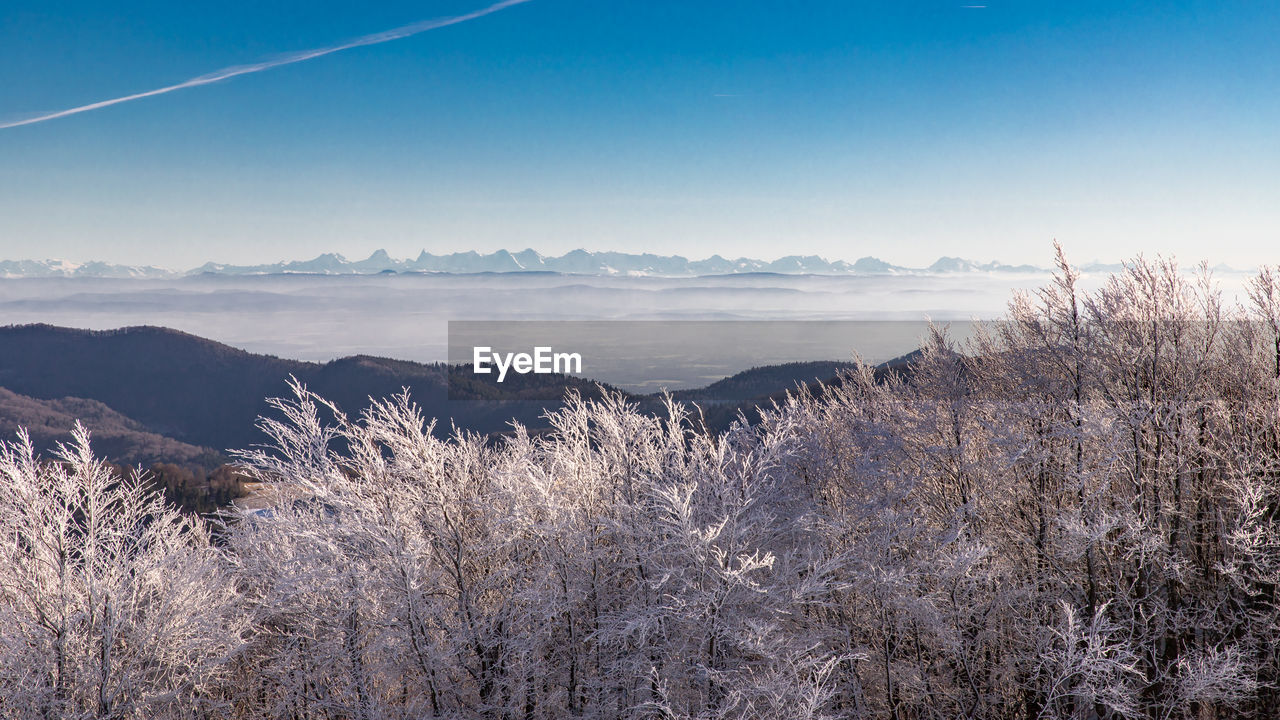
x: 802, y: 377
x: 161, y: 382
x: 119, y: 438
x: 206, y: 393
x: 761, y: 382
x: 176, y: 384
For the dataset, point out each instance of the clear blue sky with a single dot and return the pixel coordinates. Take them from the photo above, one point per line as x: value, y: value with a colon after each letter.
x: 905, y: 129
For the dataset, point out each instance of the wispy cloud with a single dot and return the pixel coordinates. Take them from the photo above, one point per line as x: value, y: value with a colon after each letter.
x: 297, y: 57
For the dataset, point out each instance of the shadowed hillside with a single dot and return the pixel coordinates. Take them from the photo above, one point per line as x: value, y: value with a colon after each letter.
x: 141, y: 385
x: 757, y: 382
x: 115, y: 436
x: 179, y: 385
x: 205, y: 393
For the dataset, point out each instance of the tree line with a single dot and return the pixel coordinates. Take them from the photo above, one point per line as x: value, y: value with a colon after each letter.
x: 1074, y: 515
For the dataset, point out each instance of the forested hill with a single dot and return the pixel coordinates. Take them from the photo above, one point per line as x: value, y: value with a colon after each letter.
x: 122, y: 439
x: 204, y: 393
x: 758, y: 382
x: 176, y: 384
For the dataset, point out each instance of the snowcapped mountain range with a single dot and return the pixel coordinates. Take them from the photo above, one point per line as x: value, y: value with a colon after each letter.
x: 578, y: 262
x: 62, y: 268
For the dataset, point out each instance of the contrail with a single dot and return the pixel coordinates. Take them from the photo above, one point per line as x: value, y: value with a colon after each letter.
x: 297, y: 57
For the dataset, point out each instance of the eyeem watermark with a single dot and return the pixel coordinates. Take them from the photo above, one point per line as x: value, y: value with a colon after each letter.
x: 648, y: 356
x: 543, y: 361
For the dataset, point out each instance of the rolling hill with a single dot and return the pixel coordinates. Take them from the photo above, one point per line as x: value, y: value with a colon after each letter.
x: 154, y: 394
x: 122, y: 439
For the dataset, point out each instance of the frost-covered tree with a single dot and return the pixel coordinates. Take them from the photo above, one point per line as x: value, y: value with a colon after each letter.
x: 112, y: 605
x: 1075, y: 515
x: 624, y: 566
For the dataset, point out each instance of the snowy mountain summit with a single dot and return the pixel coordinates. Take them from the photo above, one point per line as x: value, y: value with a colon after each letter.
x: 575, y: 262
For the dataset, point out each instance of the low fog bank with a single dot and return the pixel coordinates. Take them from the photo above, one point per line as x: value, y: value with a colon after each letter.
x: 405, y: 316
x: 319, y: 318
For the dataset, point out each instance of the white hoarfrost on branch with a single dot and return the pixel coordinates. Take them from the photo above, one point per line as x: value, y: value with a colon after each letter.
x: 1074, y: 516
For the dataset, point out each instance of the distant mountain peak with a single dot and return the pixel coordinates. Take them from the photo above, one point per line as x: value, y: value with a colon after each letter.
x: 64, y: 268
x: 578, y: 261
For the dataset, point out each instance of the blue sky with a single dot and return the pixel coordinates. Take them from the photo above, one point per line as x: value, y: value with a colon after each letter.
x: 903, y: 129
